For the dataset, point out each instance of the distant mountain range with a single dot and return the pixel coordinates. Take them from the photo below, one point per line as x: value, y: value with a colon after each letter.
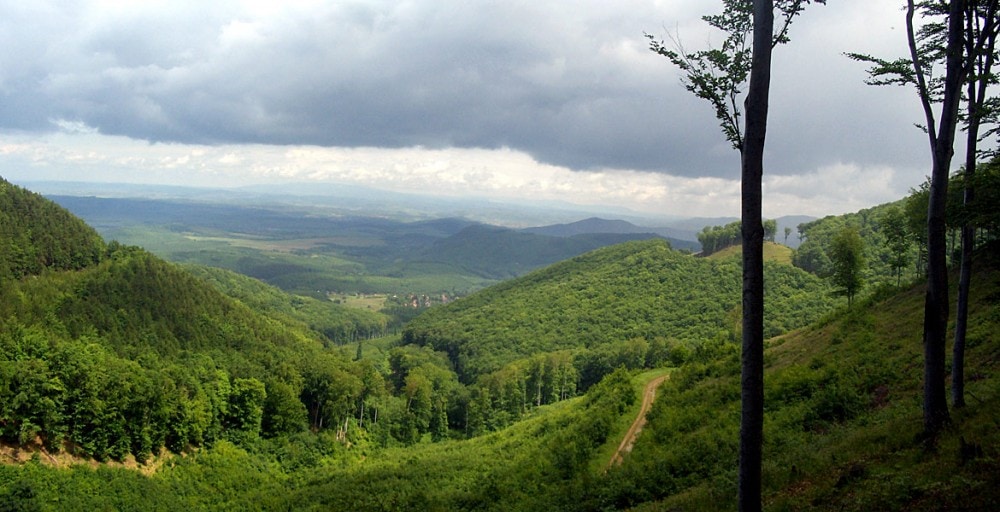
x: 552, y: 218
x: 680, y: 238
x: 683, y: 234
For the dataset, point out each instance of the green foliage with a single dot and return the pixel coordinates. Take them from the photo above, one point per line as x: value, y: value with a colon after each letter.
x: 898, y: 240
x: 846, y: 254
x: 245, y: 411
x: 876, y: 226
x: 981, y: 213
x: 338, y: 324
x: 625, y: 292
x: 716, y: 238
x: 841, y: 418
x: 37, y: 235
x: 132, y: 355
x: 129, y: 355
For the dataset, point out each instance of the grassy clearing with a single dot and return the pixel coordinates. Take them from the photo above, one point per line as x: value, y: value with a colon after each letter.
x: 772, y: 252
x: 371, y: 302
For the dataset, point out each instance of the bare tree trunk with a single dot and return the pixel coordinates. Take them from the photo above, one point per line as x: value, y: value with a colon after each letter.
x: 962, y: 314
x: 981, y: 57
x: 936, y: 300
x: 752, y: 164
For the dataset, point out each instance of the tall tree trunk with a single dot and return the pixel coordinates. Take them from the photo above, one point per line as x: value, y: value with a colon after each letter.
x: 968, y: 240
x: 981, y: 57
x: 936, y: 300
x: 962, y: 314
x: 752, y: 167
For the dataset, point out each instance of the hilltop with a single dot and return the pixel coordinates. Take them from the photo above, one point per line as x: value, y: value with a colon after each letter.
x: 773, y: 252
x: 38, y: 235
x: 636, y: 290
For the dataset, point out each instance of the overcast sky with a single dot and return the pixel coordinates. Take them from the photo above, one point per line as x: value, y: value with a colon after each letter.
x: 508, y: 99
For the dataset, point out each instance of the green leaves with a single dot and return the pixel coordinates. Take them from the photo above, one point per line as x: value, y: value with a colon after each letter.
x: 847, y: 255
x: 715, y: 75
x: 718, y: 75
x: 38, y: 235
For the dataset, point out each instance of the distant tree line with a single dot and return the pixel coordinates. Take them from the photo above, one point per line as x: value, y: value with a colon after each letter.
x: 716, y: 238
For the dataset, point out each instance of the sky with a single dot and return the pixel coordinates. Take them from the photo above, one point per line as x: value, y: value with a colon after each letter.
x: 554, y: 101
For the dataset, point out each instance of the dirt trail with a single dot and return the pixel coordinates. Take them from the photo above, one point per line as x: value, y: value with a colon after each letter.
x: 648, y: 395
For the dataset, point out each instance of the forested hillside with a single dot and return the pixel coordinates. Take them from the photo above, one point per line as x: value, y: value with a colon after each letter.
x: 510, y: 399
x: 876, y: 226
x: 894, y: 234
x: 501, y: 253
x: 36, y: 235
x: 624, y: 293
x: 124, y: 355
x: 336, y: 323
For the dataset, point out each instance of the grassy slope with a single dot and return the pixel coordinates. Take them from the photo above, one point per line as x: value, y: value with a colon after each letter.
x: 870, y: 459
x: 772, y: 252
x: 876, y: 461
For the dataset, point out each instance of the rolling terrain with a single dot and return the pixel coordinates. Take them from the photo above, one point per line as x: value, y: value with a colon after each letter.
x: 314, y: 250
x: 179, y: 387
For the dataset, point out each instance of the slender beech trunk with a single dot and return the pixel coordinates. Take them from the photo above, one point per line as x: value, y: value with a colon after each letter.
x: 968, y: 240
x: 936, y: 299
x: 981, y: 58
x: 752, y: 166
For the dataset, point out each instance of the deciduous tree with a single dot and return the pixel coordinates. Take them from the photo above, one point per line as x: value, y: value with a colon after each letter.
x: 898, y: 239
x: 717, y: 75
x: 847, y: 255
x: 932, y: 43
x: 981, y: 29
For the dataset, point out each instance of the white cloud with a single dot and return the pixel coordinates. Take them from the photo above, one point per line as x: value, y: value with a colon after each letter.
x: 511, y: 99
x: 833, y: 189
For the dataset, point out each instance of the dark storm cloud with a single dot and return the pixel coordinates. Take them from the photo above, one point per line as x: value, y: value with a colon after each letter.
x: 570, y: 83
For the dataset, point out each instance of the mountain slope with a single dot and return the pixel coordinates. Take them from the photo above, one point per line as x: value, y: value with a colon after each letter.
x: 38, y: 235
x: 842, y: 419
x: 120, y: 353
x: 633, y: 290
x: 679, y: 239
x: 501, y: 253
x: 591, y: 225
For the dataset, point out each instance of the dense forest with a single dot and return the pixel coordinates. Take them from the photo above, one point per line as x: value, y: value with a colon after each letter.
x: 128, y: 380
x: 637, y: 292
x: 894, y: 234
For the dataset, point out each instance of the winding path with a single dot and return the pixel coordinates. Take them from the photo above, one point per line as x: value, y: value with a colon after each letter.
x: 648, y: 395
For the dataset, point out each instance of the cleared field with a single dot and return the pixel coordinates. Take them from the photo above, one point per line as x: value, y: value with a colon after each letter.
x: 285, y: 246
x: 371, y: 302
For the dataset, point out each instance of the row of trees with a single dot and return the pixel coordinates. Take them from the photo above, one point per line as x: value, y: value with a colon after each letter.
x: 716, y: 238
x: 962, y: 36
x: 964, y: 42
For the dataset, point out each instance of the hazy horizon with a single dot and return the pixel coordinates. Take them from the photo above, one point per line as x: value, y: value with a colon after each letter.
x: 518, y: 100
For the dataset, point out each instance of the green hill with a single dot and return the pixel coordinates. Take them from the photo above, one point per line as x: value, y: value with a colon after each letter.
x: 336, y: 323
x: 121, y: 354
x: 501, y: 253
x: 632, y: 290
x: 842, y: 419
x: 113, y: 366
x: 772, y: 252
x: 37, y: 235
